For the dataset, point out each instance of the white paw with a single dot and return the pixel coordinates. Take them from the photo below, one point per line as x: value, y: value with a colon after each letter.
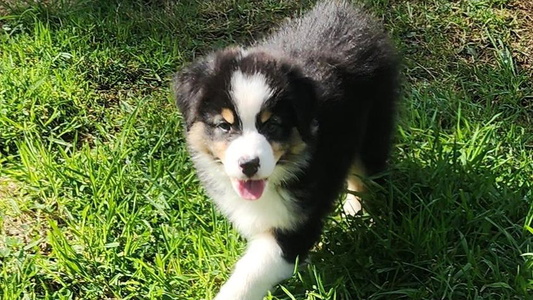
x: 228, y: 295
x: 352, y: 205
x: 232, y: 290
x: 261, y: 267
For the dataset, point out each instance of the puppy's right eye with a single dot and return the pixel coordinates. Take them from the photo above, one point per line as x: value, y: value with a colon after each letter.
x: 224, y: 126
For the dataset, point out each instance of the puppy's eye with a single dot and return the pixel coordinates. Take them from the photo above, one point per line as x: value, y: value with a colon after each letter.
x: 275, y: 121
x: 224, y: 126
x: 272, y: 125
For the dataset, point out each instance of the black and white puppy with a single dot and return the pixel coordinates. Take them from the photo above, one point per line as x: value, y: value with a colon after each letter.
x: 276, y: 129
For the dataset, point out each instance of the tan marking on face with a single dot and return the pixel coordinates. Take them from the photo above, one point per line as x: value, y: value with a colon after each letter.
x: 218, y: 149
x: 297, y: 145
x: 279, y: 149
x: 227, y: 114
x: 265, y: 115
x: 294, y: 146
x: 196, y: 137
x: 198, y: 141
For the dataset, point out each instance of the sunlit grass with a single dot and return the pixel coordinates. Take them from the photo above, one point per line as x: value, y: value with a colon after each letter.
x: 98, y: 198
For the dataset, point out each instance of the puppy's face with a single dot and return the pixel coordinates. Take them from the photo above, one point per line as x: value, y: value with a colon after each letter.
x: 248, y: 111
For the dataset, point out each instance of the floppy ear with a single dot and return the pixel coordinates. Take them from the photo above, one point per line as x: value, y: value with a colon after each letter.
x: 304, y: 103
x: 187, y: 87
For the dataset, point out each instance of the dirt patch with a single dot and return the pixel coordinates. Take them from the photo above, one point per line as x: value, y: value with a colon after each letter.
x: 8, y: 188
x: 23, y: 230
x: 7, y: 5
x: 522, y: 42
x: 19, y: 226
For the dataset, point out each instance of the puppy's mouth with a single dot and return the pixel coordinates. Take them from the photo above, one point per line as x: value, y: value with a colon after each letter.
x: 249, y: 189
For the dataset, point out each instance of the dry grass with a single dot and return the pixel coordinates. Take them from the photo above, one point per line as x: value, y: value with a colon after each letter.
x: 523, y: 34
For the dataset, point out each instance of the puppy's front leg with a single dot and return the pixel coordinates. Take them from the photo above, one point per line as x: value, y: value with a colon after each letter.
x: 261, y: 267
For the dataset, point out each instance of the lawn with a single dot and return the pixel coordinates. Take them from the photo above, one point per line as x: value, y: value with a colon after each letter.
x: 99, y: 200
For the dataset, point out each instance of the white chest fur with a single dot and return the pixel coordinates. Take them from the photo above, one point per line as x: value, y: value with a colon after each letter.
x: 275, y: 208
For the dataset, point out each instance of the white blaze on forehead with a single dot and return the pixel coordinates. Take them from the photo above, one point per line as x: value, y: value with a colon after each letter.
x: 249, y: 92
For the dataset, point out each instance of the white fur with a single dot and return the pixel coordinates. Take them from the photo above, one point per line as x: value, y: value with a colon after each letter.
x: 250, y: 145
x: 352, y: 205
x: 249, y: 92
x: 261, y: 267
x: 275, y: 209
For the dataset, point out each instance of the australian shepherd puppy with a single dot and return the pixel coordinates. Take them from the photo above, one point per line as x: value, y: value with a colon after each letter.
x: 277, y: 128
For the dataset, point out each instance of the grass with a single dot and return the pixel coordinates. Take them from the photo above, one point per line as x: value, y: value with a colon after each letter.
x: 98, y: 199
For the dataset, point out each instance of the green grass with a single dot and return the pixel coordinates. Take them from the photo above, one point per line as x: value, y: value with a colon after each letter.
x: 98, y: 198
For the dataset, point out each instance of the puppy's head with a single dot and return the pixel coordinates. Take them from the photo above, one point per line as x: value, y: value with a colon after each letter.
x: 248, y: 110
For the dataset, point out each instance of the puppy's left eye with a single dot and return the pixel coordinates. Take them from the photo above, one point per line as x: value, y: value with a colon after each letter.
x: 224, y: 126
x: 272, y: 125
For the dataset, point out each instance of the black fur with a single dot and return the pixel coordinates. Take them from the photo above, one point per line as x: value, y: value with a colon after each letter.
x: 355, y: 71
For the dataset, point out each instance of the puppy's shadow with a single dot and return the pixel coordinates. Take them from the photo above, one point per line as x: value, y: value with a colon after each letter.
x: 343, y: 259
x: 420, y: 224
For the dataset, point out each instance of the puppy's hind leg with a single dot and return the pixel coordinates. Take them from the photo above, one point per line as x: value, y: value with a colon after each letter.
x: 352, y: 203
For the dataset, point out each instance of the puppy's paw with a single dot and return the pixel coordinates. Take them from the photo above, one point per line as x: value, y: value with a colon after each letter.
x: 352, y: 205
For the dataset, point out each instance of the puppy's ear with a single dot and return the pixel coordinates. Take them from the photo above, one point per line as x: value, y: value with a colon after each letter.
x: 187, y: 87
x: 304, y: 102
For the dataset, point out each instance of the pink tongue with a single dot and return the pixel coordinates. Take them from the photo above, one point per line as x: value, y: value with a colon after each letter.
x: 250, y: 189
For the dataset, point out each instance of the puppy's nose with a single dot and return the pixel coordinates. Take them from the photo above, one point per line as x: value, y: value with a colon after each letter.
x: 249, y: 166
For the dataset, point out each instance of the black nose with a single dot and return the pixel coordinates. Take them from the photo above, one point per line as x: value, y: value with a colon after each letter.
x: 249, y: 166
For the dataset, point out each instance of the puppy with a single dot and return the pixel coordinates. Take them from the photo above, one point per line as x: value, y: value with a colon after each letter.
x: 276, y: 129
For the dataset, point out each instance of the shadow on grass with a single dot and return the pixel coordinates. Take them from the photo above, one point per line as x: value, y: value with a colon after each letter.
x: 444, y: 230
